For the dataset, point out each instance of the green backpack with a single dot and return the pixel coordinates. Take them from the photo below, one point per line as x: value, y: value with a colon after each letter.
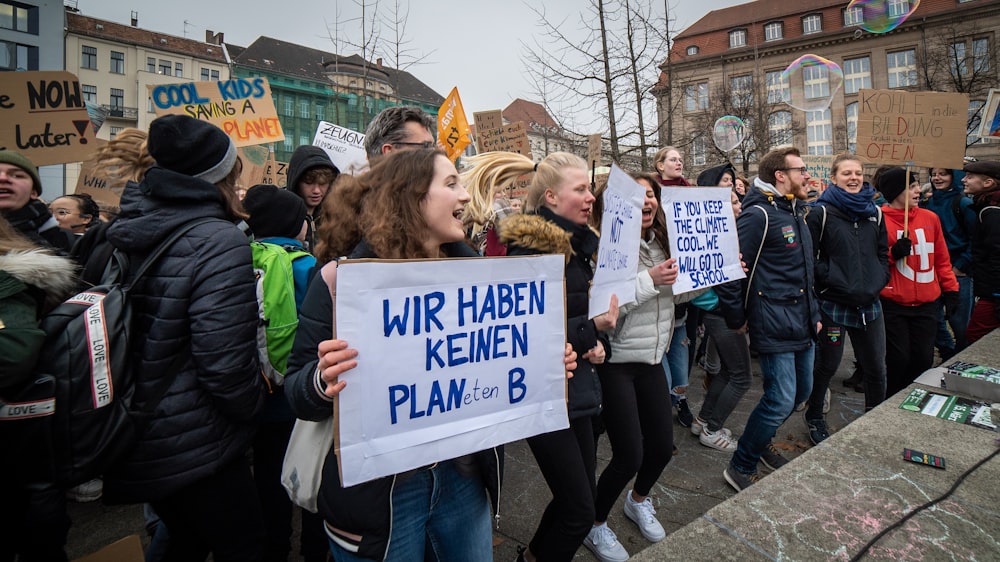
x: 277, y: 317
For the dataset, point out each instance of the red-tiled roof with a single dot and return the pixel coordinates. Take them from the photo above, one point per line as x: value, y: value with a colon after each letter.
x: 533, y: 114
x: 102, y: 29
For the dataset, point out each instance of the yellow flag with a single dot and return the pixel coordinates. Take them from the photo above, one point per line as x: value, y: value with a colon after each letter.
x: 453, y: 127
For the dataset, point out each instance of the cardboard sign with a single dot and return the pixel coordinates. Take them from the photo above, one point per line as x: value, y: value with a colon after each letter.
x: 44, y: 117
x: 254, y: 159
x: 819, y: 170
x: 594, y: 149
x: 102, y: 187
x: 512, y: 137
x: 618, y: 252
x: 345, y: 147
x: 989, y: 119
x: 486, y: 121
x: 703, y: 236
x: 912, y: 128
x: 241, y: 107
x: 519, y: 188
x: 276, y: 173
x: 455, y: 356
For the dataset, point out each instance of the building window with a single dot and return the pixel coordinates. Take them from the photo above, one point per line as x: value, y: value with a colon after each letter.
x: 777, y: 89
x: 178, y: 70
x: 812, y: 23
x: 956, y: 59
x: 289, y: 107
x: 852, y: 127
x: 737, y: 38
x: 897, y: 8
x: 902, y: 67
x: 692, y: 50
x: 819, y: 132
x: 857, y: 74
x: 696, y: 96
x: 975, y: 118
x: 150, y: 64
x: 288, y: 144
x: 773, y: 31
x: 741, y: 90
x: 88, y: 57
x: 204, y: 74
x: 115, y: 131
x: 117, y: 63
x: 698, y: 151
x: 304, y: 140
x: 19, y: 18
x: 166, y: 67
x: 149, y: 105
x: 215, y: 75
x: 304, y: 110
x: 117, y: 102
x: 779, y: 125
x: 89, y: 93
x: 853, y: 16
x: 320, y: 113
x: 980, y: 55
x: 18, y: 57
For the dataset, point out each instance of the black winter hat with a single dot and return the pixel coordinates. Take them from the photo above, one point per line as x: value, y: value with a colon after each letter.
x: 274, y: 211
x: 191, y: 147
x: 988, y: 168
x: 305, y: 158
x: 891, y: 183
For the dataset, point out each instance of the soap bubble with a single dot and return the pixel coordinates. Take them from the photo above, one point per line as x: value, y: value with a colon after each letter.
x: 729, y: 132
x: 882, y: 16
x: 812, y: 82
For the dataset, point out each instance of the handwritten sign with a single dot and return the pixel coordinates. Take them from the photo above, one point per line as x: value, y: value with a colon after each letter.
x: 99, y: 185
x: 486, y: 121
x: 621, y: 233
x: 594, y: 149
x: 44, y: 117
x: 345, y: 147
x: 254, y: 160
x: 241, y: 107
x: 912, y: 128
x: 276, y: 173
x: 512, y: 137
x: 702, y: 231
x: 455, y: 356
x: 819, y: 170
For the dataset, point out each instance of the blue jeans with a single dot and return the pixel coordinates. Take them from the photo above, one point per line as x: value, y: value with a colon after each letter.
x: 438, y: 514
x: 787, y: 382
x: 675, y: 361
x: 959, y: 319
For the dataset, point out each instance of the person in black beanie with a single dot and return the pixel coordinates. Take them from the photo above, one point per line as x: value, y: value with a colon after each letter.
x: 20, y: 189
x: 311, y: 173
x: 198, y: 302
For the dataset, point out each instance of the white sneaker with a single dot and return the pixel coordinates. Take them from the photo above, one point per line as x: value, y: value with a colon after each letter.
x: 698, y: 425
x: 89, y: 491
x: 603, y: 542
x: 721, y: 440
x: 643, y: 515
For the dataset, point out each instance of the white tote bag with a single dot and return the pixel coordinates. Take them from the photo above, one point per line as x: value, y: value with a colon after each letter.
x: 310, y: 442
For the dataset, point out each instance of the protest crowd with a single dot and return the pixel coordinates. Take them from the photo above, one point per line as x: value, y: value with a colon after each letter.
x: 220, y: 391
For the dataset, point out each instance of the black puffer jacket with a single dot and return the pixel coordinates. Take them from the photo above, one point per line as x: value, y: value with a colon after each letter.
x: 548, y: 233
x: 199, y: 301
x: 778, y: 305
x: 364, y: 509
x: 852, y: 257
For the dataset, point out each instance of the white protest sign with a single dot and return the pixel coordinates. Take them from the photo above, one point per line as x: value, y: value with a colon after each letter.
x: 618, y: 253
x: 703, y: 236
x: 454, y: 357
x: 345, y: 147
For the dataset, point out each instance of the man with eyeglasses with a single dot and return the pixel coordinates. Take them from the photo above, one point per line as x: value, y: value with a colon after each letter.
x: 20, y: 189
x: 398, y: 128
x: 774, y: 304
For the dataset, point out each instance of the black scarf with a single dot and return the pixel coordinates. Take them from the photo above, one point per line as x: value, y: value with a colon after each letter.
x: 29, y: 218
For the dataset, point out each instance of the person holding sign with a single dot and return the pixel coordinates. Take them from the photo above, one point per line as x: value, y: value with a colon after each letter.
x: 408, y: 206
x: 920, y: 273
x: 852, y: 267
x: 636, y: 406
x: 775, y: 304
x: 559, y: 204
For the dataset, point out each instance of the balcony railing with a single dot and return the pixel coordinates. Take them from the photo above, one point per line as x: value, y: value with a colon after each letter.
x: 121, y: 112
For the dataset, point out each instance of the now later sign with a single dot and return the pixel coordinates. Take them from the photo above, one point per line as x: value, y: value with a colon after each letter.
x: 454, y: 357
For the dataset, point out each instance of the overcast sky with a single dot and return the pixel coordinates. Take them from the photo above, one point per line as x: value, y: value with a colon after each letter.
x: 472, y: 44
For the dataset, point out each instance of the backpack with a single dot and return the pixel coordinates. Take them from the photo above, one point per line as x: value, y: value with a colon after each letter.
x: 75, y: 417
x: 278, y: 317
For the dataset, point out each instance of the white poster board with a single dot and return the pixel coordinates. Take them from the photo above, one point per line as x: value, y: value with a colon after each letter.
x: 345, y: 147
x: 703, y: 236
x: 618, y: 253
x: 454, y: 357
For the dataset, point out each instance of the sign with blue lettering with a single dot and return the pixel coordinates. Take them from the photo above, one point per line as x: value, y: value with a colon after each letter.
x: 454, y: 356
x: 703, y: 236
x: 618, y: 253
x: 345, y: 147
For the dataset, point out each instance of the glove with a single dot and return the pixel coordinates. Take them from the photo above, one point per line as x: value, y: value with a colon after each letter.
x: 901, y: 248
x: 950, y: 303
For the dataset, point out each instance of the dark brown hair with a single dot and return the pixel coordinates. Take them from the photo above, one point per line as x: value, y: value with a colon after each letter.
x: 659, y: 226
x: 774, y: 161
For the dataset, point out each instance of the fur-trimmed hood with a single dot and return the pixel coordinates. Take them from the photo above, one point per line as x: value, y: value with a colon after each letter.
x: 536, y: 233
x: 55, y: 275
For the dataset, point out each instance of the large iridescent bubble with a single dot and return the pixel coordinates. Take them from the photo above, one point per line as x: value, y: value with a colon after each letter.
x: 812, y: 82
x: 728, y: 132
x: 882, y: 16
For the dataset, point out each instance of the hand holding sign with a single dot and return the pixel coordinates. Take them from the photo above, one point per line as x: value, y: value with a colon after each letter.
x: 664, y: 273
x: 335, y: 359
x: 569, y: 360
x: 607, y: 321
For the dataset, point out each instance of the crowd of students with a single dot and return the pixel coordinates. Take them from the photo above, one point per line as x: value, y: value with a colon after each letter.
x: 896, y: 278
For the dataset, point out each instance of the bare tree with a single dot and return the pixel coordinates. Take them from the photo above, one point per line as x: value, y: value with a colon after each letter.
x: 396, y: 47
